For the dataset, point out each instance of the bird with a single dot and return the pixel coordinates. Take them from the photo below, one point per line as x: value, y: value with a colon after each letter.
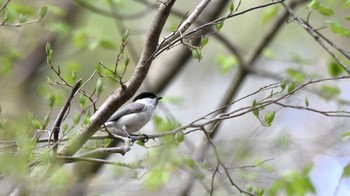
x: 133, y: 116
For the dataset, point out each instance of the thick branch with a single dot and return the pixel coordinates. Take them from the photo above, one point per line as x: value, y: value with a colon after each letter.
x: 177, y: 61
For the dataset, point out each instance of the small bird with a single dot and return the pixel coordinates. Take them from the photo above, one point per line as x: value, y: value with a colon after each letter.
x: 133, y: 116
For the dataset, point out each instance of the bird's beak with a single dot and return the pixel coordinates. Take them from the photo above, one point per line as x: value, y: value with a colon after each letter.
x: 159, y: 98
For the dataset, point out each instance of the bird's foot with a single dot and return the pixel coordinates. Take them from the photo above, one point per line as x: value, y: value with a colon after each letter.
x: 145, y: 138
x: 132, y: 139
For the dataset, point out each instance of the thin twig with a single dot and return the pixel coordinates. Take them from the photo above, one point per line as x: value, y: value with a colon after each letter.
x: 252, y: 166
x: 57, y: 124
x: 20, y: 24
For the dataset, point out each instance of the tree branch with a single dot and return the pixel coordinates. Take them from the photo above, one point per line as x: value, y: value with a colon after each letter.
x: 57, y: 124
x: 68, y: 159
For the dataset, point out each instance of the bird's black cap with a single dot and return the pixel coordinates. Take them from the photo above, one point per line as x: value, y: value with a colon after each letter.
x: 146, y: 95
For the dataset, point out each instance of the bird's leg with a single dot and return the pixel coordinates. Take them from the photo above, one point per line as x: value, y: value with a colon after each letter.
x: 145, y: 139
x: 115, y: 136
x: 133, y: 138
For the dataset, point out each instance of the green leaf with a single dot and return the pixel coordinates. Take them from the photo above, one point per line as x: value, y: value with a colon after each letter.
x: 269, y: 14
x: 82, y: 100
x: 58, y: 70
x: 98, y: 68
x: 65, y: 127
x: 219, y: 25
x: 173, y: 99
x: 326, y: 11
x: 36, y: 124
x: 313, y: 4
x: 232, y: 7
x: 42, y: 11
x: 163, y: 125
x: 346, y: 135
x: 298, y: 59
x: 86, y: 118
x: 126, y: 36
x: 52, y: 99
x: 259, y: 191
x: 306, y: 102
x: 22, y: 18
x: 156, y: 178
x: 283, y: 85
x: 21, y: 8
x: 48, y: 48
x: 49, y: 52
x: 269, y: 117
x: 71, y: 70
x: 296, y: 75
x: 196, y: 53
x: 248, y: 187
x: 140, y: 143
x: 255, y: 111
x: 76, y: 118
x: 347, y: 18
x: 330, y: 91
x: 61, y: 28
x: 226, y: 62
x: 204, y: 41
x: 6, y: 65
x: 46, y: 121
x: 337, y: 28
x: 60, y: 178
x: 80, y: 39
x: 293, y: 183
x: 334, y: 69
x: 269, y: 53
x: 307, y: 169
x: 291, y: 87
x: 107, y: 44
x: 180, y: 137
x: 4, y: 124
x: 346, y: 171
x: 99, y: 86
x: 126, y: 61
x: 189, y: 162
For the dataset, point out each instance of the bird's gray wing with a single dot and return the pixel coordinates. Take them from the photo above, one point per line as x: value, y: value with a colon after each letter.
x: 129, y: 109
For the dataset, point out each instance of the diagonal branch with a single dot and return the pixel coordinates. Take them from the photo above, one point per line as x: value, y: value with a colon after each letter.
x: 57, y: 125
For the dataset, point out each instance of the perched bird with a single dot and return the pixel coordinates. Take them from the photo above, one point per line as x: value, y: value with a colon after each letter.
x: 133, y: 116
